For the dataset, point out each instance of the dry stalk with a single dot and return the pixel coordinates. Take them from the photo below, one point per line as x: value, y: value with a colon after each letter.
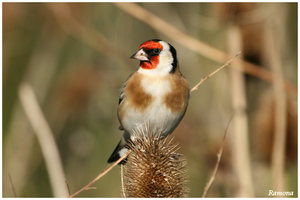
x: 122, y: 181
x: 240, y: 137
x: 279, y: 144
x: 196, y: 45
x: 100, y: 175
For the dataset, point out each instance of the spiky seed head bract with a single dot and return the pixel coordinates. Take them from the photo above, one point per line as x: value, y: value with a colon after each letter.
x: 154, y: 168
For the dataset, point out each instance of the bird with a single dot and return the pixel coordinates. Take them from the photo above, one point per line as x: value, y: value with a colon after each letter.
x: 156, y: 95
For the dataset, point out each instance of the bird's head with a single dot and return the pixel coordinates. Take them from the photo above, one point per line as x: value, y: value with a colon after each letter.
x: 156, y: 57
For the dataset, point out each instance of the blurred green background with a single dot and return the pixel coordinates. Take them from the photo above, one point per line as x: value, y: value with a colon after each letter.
x: 75, y: 56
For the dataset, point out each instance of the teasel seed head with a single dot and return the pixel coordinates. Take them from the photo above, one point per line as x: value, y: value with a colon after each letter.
x: 154, y: 168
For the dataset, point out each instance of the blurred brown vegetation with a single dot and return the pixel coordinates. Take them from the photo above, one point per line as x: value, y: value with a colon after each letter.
x: 76, y: 58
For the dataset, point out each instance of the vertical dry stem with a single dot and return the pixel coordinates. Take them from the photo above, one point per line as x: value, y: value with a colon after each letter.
x: 122, y: 181
x: 278, y: 158
x: 240, y: 145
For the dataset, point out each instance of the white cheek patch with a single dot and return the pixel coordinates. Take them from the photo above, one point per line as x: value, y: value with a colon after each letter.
x: 165, y: 61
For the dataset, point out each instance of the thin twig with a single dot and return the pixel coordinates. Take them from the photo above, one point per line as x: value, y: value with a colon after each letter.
x: 45, y: 137
x: 122, y: 182
x: 196, y: 45
x: 219, y: 155
x: 68, y: 187
x: 87, y: 186
x: 12, y: 186
x: 214, y: 72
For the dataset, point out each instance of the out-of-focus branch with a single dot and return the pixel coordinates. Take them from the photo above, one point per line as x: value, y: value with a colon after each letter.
x: 171, y: 31
x: 88, y: 186
x: 45, y: 138
x: 83, y: 32
x: 278, y: 151
x: 196, y: 45
x: 214, y: 72
x: 40, y: 70
x: 240, y: 136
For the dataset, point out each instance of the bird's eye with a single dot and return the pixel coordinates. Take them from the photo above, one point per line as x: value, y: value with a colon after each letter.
x: 156, y: 51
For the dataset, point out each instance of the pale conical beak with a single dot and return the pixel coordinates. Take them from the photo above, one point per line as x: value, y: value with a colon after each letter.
x: 140, y: 55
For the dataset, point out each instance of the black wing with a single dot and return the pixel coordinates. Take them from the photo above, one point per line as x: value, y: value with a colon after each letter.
x: 121, y: 97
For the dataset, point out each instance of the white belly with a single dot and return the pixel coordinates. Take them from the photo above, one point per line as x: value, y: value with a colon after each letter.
x: 157, y: 118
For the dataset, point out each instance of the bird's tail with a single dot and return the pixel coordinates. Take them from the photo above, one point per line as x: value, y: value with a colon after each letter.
x: 119, y: 151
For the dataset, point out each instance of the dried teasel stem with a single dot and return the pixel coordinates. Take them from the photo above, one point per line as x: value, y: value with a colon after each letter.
x: 154, y: 168
x: 122, y: 180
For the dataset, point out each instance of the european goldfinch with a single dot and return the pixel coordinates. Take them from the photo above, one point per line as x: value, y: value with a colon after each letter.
x: 156, y: 95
